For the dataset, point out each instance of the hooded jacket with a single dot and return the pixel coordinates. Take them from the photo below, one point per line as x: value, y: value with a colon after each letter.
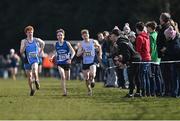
x: 143, y: 46
x: 172, y: 51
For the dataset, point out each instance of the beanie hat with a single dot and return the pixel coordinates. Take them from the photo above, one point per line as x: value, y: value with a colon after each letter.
x: 126, y: 28
x: 132, y: 34
x: 116, y: 27
x: 12, y: 51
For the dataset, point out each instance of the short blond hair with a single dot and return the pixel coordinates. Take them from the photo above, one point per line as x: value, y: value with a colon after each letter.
x: 28, y: 28
x: 84, y: 31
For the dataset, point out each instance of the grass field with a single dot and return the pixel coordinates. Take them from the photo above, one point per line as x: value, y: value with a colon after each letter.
x: 106, y: 103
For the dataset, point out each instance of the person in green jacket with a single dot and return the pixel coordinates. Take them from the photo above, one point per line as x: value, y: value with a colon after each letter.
x: 156, y: 82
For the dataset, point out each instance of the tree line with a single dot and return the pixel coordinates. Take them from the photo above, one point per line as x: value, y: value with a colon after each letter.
x: 73, y: 15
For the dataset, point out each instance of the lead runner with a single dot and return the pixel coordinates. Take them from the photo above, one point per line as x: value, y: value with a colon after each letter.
x: 29, y: 47
x: 87, y: 50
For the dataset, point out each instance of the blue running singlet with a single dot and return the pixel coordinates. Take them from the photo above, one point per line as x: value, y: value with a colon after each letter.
x: 63, y: 52
x: 32, y: 51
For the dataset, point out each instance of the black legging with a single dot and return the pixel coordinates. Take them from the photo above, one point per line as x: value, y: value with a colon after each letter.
x: 120, y: 75
x: 134, y: 80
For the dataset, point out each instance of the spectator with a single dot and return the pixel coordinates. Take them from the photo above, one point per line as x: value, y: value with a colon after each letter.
x: 143, y: 47
x: 124, y: 56
x: 134, y: 70
x: 132, y: 37
x: 14, y: 63
x: 47, y: 65
x: 172, y: 52
x: 119, y: 71
x: 110, y: 74
x: 3, y: 69
x: 174, y: 25
x: 161, y: 45
x: 156, y: 80
x: 77, y: 63
x: 101, y: 67
x: 126, y: 29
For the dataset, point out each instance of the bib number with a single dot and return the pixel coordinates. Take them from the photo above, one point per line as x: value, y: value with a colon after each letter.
x: 63, y: 57
x: 32, y: 55
x: 88, y: 54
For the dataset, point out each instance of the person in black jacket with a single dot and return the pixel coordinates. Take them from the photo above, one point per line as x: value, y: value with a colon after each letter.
x: 172, y: 52
x: 113, y: 52
x: 123, y: 58
x: 161, y: 40
x: 161, y: 45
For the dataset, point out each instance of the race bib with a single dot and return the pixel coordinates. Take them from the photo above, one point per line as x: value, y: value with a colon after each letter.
x: 63, y: 57
x: 32, y: 54
x: 87, y: 53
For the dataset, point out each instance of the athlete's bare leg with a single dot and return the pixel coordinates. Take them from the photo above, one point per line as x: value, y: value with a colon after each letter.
x: 35, y: 75
x: 63, y: 82
x: 88, y: 83
x: 30, y: 81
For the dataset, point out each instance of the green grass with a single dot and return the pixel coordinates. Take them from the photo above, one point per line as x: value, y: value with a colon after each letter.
x: 106, y: 103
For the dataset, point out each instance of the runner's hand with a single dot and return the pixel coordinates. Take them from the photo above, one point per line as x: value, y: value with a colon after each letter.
x: 69, y: 61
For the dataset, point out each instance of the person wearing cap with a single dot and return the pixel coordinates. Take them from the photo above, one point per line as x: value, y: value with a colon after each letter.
x: 123, y: 58
x: 122, y: 75
x: 172, y: 52
x: 134, y: 71
x: 132, y: 37
x: 32, y: 47
x: 87, y: 49
x: 14, y: 63
x: 126, y: 29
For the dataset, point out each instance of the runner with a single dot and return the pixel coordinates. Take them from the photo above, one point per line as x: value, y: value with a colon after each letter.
x: 30, y: 47
x: 87, y: 49
x: 63, y: 57
x: 14, y: 63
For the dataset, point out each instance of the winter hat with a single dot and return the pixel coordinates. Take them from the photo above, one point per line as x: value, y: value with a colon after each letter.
x: 126, y: 28
x: 132, y: 34
x: 116, y: 27
x: 170, y: 33
x: 12, y: 51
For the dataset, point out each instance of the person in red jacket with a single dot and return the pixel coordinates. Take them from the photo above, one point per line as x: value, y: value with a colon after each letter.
x: 143, y: 47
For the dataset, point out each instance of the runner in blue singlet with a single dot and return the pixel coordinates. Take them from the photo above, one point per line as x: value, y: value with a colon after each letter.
x: 30, y: 47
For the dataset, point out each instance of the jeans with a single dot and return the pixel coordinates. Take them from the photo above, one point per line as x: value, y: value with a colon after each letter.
x: 156, y: 82
x: 165, y: 69
x: 175, y: 79
x: 145, y: 74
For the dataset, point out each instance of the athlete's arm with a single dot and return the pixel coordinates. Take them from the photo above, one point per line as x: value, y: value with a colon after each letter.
x: 98, y: 46
x: 22, y: 46
x: 72, y: 50
x: 80, y: 50
x: 54, y: 53
x: 41, y: 43
x: 17, y: 57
